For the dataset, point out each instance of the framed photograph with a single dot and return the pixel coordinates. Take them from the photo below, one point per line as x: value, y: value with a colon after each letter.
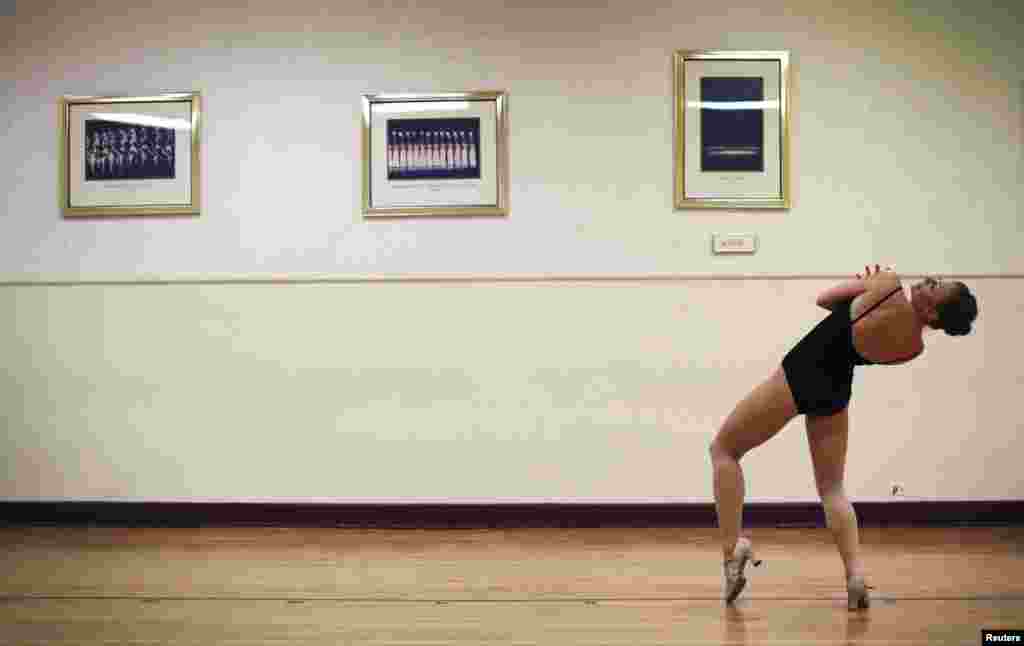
x: 435, y: 154
x: 731, y: 129
x: 129, y: 155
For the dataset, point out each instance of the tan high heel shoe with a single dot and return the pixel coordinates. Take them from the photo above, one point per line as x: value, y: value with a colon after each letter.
x: 734, y: 579
x: 857, y: 594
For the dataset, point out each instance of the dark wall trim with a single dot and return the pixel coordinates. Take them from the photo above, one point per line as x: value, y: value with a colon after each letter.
x: 163, y: 514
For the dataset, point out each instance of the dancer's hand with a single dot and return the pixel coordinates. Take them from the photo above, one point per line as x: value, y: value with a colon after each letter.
x: 868, y: 274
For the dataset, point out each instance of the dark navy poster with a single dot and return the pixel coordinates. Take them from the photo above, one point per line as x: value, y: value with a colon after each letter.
x: 732, y: 132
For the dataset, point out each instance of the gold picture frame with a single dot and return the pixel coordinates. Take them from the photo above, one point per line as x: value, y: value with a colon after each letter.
x: 130, y: 155
x: 731, y: 129
x: 435, y: 154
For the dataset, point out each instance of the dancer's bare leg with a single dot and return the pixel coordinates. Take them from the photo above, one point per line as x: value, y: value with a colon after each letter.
x: 827, y: 437
x: 755, y: 420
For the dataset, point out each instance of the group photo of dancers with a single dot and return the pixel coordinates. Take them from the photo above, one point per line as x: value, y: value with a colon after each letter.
x: 115, y: 150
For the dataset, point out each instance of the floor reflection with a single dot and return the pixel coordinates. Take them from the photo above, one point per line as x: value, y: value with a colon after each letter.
x: 738, y: 623
x: 857, y: 623
x: 735, y: 626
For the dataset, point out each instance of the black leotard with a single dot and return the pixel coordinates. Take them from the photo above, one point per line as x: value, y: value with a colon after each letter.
x: 819, y: 368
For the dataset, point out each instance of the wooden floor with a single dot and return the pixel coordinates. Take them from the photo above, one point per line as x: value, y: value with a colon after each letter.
x: 526, y: 586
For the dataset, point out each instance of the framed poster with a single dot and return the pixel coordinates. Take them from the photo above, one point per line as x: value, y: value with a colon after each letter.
x: 130, y: 155
x: 435, y: 154
x: 731, y: 129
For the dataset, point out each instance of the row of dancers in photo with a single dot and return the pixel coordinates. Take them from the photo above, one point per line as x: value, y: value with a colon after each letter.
x: 129, y: 152
x: 432, y: 150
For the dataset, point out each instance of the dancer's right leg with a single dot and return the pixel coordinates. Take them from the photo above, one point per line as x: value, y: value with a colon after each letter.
x: 755, y: 420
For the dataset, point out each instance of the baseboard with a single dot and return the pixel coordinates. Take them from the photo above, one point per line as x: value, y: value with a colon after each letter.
x: 416, y: 516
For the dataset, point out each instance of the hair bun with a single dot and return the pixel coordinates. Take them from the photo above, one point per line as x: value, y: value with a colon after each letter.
x: 958, y: 330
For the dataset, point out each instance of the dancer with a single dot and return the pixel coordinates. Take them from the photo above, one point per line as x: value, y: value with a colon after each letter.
x: 871, y: 322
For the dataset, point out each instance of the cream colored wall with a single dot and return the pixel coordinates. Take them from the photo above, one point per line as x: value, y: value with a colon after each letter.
x: 906, y: 135
x: 542, y: 391
x: 907, y: 139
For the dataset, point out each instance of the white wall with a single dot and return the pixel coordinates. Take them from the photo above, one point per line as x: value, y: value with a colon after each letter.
x: 907, y: 148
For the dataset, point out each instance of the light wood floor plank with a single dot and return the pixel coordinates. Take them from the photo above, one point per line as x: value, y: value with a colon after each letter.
x: 574, y: 586
x: 682, y: 622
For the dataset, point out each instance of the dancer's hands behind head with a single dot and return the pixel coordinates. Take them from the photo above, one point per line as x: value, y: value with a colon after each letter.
x: 878, y: 274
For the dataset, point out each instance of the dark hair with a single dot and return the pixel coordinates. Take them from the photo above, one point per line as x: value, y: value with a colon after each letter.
x: 956, y: 314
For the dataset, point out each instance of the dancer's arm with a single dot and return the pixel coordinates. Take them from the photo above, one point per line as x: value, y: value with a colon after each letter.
x: 879, y: 279
x: 843, y: 292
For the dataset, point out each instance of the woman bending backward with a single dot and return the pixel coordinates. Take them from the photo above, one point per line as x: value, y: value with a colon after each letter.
x: 871, y: 320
